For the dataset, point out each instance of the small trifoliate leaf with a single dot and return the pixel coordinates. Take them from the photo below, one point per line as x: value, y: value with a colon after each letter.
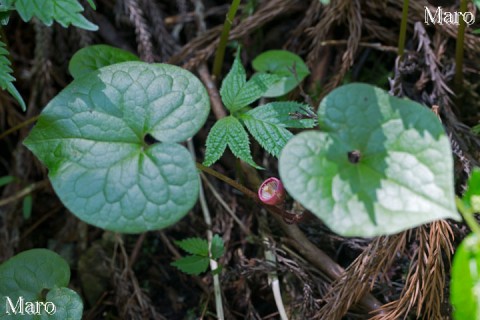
x: 65, y: 12
x: 267, y: 123
x: 465, y: 282
x: 194, y: 246
x: 192, y: 264
x: 218, y: 247
x: 228, y: 131
x: 381, y: 165
x: 237, y: 93
x: 6, y: 78
x: 287, y: 66
x: 92, y: 58
x: 93, y: 139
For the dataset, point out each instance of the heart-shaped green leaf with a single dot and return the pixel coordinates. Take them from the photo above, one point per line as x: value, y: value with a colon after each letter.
x: 380, y: 166
x: 92, y: 58
x: 94, y: 139
x: 465, y: 285
x: 37, y: 275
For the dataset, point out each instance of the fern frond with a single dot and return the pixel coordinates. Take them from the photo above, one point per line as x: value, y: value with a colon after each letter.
x: 6, y: 77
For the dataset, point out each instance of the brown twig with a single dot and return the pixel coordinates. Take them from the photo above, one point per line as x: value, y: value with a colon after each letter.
x: 217, y: 105
x: 24, y: 192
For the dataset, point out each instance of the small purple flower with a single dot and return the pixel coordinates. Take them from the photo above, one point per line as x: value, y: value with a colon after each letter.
x: 272, y: 192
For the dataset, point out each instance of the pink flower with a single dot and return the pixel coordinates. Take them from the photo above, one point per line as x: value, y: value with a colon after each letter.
x: 272, y: 192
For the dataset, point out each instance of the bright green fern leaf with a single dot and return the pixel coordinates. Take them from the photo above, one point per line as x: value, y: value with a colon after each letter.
x: 65, y: 12
x: 6, y: 78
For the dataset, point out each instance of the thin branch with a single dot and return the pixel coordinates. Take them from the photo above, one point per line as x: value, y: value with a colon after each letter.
x: 24, y: 192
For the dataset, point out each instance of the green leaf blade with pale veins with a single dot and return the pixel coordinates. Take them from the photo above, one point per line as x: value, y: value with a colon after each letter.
x: 403, y: 178
x: 92, y: 139
x: 228, y: 131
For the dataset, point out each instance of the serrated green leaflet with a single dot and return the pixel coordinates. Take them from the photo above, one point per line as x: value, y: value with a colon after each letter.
x: 289, y: 68
x: 65, y: 12
x: 380, y: 166
x: 228, y: 131
x: 465, y: 284
x: 95, y: 57
x: 268, y: 123
x: 192, y: 264
x: 194, y: 246
x: 237, y: 93
x: 92, y: 139
x: 27, y: 275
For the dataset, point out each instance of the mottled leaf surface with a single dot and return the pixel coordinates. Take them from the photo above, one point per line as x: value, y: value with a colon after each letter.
x: 92, y: 138
x: 404, y: 176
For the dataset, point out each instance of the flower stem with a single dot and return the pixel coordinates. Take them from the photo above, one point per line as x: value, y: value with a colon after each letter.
x: 220, y: 54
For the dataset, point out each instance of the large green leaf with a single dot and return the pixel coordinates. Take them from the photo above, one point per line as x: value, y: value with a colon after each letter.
x: 38, y: 275
x: 228, y: 131
x: 65, y: 12
x: 268, y: 123
x: 465, y: 284
x: 288, y: 66
x: 93, y: 137
x: 380, y: 166
x: 92, y: 58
